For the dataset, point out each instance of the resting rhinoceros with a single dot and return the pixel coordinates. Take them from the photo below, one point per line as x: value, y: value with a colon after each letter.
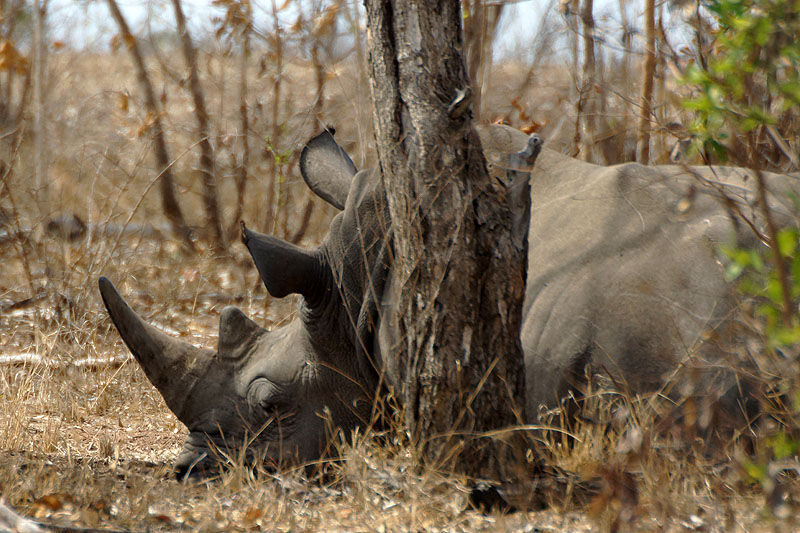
x: 624, y: 277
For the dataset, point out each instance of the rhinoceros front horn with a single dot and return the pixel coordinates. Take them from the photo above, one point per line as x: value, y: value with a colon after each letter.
x: 174, y: 367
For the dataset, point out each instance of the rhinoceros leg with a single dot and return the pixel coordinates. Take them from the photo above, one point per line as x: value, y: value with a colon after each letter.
x: 172, y: 366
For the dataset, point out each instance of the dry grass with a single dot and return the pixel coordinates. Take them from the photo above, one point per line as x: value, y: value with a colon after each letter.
x: 93, y: 447
x: 91, y: 444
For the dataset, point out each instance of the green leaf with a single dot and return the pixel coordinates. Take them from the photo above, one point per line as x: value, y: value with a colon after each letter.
x: 742, y: 256
x: 733, y: 271
x: 787, y: 242
x: 786, y: 336
x: 769, y: 312
x: 763, y: 30
x: 756, y: 472
x: 795, y: 267
x: 775, y: 291
x: 717, y: 149
x: 783, y: 446
x: 756, y: 260
x: 751, y: 285
x: 791, y: 89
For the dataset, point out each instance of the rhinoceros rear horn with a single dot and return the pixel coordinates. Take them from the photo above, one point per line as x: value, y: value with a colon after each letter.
x: 285, y: 268
x: 172, y: 366
x: 236, y: 333
x: 327, y: 169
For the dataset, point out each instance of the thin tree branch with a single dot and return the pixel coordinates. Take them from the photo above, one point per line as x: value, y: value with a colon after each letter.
x: 213, y: 220
x: 172, y: 208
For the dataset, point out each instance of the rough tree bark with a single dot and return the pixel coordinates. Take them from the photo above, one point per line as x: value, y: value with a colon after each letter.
x: 213, y: 220
x: 461, y: 278
x: 172, y: 209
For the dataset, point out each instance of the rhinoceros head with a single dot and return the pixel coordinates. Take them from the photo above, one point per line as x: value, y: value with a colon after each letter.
x: 274, y: 392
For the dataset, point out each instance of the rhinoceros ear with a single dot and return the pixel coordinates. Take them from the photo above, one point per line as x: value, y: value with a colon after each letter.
x: 286, y: 268
x: 327, y: 169
x: 519, y: 169
x: 236, y: 333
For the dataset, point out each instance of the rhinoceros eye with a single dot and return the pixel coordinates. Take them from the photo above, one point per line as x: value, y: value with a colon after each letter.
x: 264, y: 394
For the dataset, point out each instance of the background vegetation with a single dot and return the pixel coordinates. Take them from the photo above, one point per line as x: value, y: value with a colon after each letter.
x: 135, y: 154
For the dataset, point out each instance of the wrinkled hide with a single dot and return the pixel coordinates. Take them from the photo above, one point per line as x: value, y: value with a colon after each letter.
x: 624, y: 281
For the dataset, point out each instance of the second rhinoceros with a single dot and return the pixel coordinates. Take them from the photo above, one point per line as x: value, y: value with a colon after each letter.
x: 624, y: 278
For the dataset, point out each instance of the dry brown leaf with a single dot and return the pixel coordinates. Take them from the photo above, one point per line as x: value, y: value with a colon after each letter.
x: 253, y: 514
x: 54, y: 502
x: 11, y: 58
x: 115, y: 43
x: 122, y: 102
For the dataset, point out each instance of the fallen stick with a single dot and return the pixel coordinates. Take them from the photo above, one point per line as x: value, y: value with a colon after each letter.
x: 91, y: 363
x: 11, y: 521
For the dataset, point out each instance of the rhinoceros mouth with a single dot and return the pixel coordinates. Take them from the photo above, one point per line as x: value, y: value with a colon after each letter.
x: 194, y: 461
x: 206, y: 454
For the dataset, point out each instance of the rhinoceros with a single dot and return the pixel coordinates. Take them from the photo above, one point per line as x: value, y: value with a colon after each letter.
x: 624, y: 278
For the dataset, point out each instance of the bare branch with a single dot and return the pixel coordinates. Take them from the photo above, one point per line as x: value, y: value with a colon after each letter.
x: 172, y: 209
x: 206, y: 151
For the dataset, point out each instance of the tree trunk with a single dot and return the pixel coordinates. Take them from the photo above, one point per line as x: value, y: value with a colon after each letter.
x: 648, y: 72
x: 358, y: 43
x: 40, y: 155
x: 213, y: 221
x: 319, y: 79
x: 569, y: 10
x: 588, y: 96
x: 244, y: 125
x: 461, y: 280
x: 276, y: 185
x: 660, y: 73
x: 172, y: 209
x: 480, y: 28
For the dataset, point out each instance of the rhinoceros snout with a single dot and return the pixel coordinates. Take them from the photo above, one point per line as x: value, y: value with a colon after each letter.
x: 192, y: 466
x: 204, y: 456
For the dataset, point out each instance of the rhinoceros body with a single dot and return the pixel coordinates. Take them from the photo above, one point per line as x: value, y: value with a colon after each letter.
x: 624, y: 279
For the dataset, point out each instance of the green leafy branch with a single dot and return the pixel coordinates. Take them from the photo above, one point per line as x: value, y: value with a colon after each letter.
x: 751, y: 84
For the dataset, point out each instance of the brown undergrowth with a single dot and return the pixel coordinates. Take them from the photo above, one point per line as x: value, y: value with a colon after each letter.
x: 87, y: 441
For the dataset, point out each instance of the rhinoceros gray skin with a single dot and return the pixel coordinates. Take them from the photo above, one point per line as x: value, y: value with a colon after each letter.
x: 624, y: 278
